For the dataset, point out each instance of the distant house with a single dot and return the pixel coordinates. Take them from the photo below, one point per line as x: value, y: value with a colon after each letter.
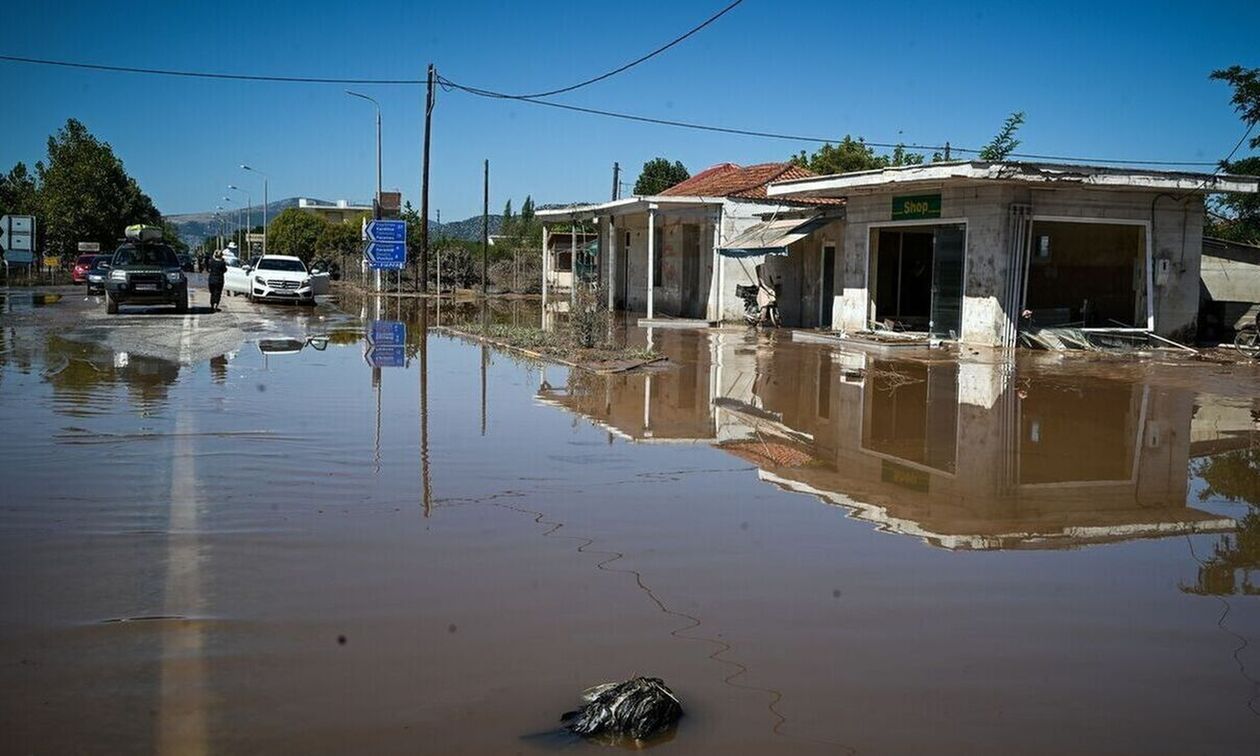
x: 662, y: 251
x: 334, y: 212
x: 565, y: 246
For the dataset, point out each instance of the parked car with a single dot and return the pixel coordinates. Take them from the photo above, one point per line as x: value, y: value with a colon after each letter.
x: 78, y: 274
x: 186, y: 262
x: 280, y: 278
x: 236, y: 278
x: 97, y: 274
x: 145, y: 273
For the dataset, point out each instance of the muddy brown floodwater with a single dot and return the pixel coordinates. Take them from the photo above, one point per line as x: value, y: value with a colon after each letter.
x: 283, y: 549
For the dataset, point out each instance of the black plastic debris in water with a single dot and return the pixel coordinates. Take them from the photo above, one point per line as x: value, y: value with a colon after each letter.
x: 640, y: 708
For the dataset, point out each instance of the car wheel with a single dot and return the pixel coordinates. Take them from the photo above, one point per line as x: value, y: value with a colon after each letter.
x: 181, y: 306
x: 111, y: 305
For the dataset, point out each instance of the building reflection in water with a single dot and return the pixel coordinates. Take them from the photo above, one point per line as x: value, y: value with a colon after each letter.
x: 961, y: 455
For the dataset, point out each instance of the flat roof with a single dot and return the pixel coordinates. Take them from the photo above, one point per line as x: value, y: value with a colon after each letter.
x: 1100, y: 177
x: 627, y: 206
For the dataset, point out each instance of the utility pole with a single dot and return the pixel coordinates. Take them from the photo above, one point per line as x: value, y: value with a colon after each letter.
x: 423, y: 277
x: 616, y: 180
x: 485, y: 230
x: 947, y: 152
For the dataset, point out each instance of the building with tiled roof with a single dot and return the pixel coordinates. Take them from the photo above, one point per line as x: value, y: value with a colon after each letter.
x: 681, y: 268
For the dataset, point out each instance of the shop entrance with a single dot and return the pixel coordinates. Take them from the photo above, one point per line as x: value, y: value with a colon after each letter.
x: 1090, y: 275
x: 917, y: 273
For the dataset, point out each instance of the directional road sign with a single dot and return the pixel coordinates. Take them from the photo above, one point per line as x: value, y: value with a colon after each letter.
x: 386, y: 343
x: 386, y: 356
x: 386, y: 333
x: 17, y: 238
x: 386, y: 246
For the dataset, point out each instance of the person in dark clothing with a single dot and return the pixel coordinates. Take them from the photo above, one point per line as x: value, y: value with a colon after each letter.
x: 216, y: 269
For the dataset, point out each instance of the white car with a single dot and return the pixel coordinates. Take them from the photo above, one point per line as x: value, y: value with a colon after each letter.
x: 279, y: 278
x: 236, y: 278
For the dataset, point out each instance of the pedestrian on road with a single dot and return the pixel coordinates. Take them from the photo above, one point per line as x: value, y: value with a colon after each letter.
x: 217, y: 268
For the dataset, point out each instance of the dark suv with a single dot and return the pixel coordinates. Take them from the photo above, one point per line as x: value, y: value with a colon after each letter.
x: 145, y: 274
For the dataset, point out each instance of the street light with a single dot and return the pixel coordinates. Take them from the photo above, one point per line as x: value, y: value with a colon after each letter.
x: 220, y: 218
x: 260, y: 173
x: 237, y: 223
x: 376, y: 202
x: 249, y: 210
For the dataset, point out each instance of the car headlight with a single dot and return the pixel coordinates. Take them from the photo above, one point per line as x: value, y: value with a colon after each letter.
x: 118, y: 275
x: 175, y: 277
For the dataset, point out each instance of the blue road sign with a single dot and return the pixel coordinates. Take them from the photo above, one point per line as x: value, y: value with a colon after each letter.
x: 386, y: 356
x: 386, y: 333
x: 387, y: 230
x: 386, y: 255
x: 386, y: 247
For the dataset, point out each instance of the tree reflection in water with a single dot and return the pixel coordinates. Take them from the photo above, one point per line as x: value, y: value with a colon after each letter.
x: 1235, y: 477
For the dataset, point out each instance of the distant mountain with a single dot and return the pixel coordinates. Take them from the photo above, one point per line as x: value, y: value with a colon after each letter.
x: 468, y: 229
x: 193, y: 227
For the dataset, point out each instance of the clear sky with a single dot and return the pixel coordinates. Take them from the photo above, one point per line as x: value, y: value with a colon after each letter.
x: 1107, y: 79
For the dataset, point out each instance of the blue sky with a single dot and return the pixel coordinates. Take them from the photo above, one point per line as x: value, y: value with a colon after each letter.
x: 1114, y: 80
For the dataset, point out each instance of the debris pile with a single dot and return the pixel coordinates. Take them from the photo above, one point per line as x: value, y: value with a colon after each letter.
x: 640, y: 708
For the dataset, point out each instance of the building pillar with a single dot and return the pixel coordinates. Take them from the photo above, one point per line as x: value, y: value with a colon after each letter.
x: 612, y: 264
x: 651, y: 259
x: 546, y: 233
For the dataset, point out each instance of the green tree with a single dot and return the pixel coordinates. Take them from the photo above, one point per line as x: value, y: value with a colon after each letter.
x: 1237, y: 216
x: 507, y: 225
x: 658, y: 175
x: 340, y: 239
x: 1004, y: 142
x: 19, y: 194
x: 850, y: 155
x: 85, y: 193
x: 295, y: 232
x: 170, y: 235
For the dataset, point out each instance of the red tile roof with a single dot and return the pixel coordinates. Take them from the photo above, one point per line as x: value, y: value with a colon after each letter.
x: 731, y: 180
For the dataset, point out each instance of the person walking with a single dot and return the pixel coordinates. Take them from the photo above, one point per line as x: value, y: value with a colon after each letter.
x: 216, y: 268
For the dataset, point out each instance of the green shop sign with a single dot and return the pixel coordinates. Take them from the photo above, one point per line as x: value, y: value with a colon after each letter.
x: 916, y: 207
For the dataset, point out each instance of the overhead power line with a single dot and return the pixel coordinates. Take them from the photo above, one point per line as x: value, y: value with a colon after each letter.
x: 615, y: 71
x: 203, y: 74
x: 448, y: 84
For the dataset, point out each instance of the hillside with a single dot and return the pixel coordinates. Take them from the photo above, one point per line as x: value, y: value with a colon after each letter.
x: 193, y: 227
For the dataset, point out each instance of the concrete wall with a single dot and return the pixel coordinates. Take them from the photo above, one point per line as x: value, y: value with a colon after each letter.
x: 1176, y: 236
x: 798, y: 274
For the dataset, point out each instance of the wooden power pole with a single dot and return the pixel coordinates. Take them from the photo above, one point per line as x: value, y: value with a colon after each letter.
x: 616, y: 180
x: 485, y: 229
x: 423, y: 274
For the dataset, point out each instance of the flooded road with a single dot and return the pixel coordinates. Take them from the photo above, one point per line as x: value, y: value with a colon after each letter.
x: 230, y: 532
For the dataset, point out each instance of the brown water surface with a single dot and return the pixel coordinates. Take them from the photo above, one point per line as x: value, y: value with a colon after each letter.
x: 285, y: 549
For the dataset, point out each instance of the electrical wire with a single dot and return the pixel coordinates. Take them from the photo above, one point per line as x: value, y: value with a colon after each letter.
x: 449, y: 85
x: 203, y: 74
x: 615, y: 71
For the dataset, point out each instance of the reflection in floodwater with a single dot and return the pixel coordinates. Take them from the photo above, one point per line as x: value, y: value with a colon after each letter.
x: 958, y: 455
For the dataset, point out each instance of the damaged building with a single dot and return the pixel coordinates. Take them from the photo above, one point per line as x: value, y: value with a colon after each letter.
x: 975, y: 251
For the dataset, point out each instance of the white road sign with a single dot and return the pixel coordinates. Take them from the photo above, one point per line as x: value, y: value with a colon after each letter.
x: 17, y: 238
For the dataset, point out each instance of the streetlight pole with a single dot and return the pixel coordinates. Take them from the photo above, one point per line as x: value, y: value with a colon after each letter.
x: 222, y: 228
x: 376, y: 203
x: 236, y: 234
x: 260, y: 173
x: 249, y: 211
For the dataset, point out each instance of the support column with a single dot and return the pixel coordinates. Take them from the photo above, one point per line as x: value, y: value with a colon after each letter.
x: 612, y: 264
x: 573, y: 266
x: 651, y: 260
x: 546, y: 233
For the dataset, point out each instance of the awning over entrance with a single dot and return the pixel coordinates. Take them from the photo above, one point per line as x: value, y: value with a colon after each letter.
x: 772, y: 237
